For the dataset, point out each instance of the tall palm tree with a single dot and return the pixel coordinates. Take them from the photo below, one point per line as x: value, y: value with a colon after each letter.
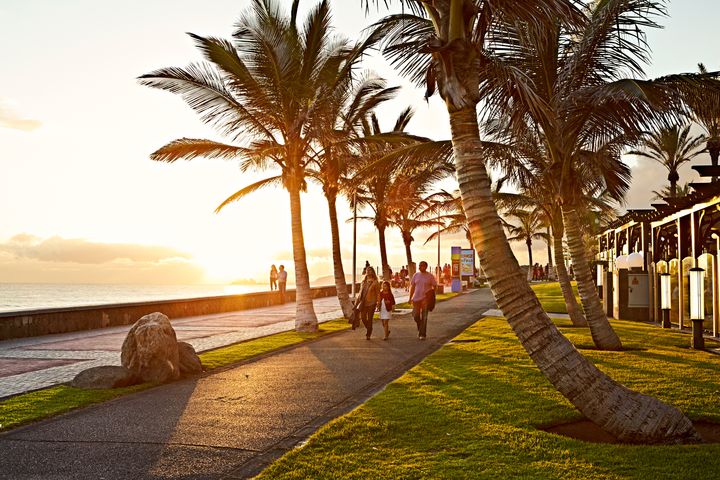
x: 353, y: 102
x: 707, y: 113
x: 528, y: 229
x: 450, y: 44
x: 671, y: 146
x: 267, y: 90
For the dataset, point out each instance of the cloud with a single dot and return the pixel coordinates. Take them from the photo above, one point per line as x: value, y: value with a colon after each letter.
x: 73, y: 250
x: 9, y: 118
x: 27, y: 258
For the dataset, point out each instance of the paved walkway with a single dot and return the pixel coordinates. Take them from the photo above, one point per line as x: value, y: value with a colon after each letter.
x: 37, y: 362
x: 230, y: 423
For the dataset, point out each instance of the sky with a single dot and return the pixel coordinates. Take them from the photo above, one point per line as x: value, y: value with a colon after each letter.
x: 80, y: 201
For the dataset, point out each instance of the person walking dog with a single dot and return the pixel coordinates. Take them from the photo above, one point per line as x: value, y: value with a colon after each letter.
x: 422, y: 285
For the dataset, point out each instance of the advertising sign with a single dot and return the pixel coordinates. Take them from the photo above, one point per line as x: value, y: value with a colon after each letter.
x: 467, y: 262
x: 455, y: 254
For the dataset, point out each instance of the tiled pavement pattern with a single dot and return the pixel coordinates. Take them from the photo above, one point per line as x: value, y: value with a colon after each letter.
x: 31, y: 363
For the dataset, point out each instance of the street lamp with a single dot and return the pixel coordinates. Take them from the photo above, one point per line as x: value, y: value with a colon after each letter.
x: 665, y: 299
x: 354, y: 260
x: 697, y: 306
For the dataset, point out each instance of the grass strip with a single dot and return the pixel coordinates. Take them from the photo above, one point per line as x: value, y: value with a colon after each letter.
x: 470, y: 411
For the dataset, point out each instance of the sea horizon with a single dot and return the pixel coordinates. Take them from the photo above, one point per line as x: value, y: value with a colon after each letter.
x: 18, y: 297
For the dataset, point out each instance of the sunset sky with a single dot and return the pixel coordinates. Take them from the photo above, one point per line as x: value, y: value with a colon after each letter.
x: 82, y: 203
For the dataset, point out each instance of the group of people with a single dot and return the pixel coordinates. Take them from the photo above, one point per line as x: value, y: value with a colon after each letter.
x: 278, y: 280
x: 377, y: 296
x: 540, y: 273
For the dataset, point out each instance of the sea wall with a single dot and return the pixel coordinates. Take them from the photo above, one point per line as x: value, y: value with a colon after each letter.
x: 32, y: 323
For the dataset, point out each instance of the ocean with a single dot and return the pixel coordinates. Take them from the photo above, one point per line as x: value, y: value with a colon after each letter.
x: 31, y: 296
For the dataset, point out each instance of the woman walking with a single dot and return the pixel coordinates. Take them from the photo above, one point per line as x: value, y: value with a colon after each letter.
x: 368, y: 299
x: 386, y: 302
x: 273, y: 278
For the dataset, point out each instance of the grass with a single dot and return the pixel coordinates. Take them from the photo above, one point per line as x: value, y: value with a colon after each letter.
x: 469, y: 411
x: 551, y: 297
x: 33, y: 406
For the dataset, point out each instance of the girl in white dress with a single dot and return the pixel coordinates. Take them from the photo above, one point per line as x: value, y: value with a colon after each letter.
x: 386, y: 303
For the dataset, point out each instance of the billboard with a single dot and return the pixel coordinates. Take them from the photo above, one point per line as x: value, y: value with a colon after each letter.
x: 467, y: 262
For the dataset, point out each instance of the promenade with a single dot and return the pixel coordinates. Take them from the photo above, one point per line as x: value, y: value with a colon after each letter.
x: 37, y: 362
x: 232, y: 422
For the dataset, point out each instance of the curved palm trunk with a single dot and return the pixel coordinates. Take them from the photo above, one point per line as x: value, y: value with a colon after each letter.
x: 576, y: 315
x: 602, y: 332
x: 339, y: 272
x: 630, y: 416
x: 305, y: 318
x: 383, y: 254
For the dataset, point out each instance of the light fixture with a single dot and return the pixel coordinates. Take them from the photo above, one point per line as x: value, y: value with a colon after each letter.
x: 697, y: 294
x: 621, y: 262
x: 636, y: 260
x: 697, y: 306
x: 600, y: 274
x: 665, y: 291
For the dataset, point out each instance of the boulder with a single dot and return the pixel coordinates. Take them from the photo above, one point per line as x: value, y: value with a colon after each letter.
x: 150, y: 349
x: 104, y: 377
x: 189, y: 361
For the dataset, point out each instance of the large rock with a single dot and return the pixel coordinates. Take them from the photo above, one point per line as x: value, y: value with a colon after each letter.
x: 104, y: 377
x: 150, y: 349
x: 189, y: 361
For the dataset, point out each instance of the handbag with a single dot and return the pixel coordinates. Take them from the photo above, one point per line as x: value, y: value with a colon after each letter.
x: 430, y: 299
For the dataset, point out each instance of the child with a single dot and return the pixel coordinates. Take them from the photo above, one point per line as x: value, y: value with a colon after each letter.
x: 386, y: 303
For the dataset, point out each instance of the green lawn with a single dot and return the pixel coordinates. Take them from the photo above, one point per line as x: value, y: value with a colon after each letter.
x: 33, y: 406
x: 470, y: 411
x: 551, y: 297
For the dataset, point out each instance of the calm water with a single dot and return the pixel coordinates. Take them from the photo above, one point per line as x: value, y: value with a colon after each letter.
x: 29, y: 296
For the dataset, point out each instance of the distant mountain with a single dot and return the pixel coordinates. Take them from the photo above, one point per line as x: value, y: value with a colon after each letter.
x: 245, y: 281
x: 330, y: 280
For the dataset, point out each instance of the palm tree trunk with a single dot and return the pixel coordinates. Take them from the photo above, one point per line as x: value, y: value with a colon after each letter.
x: 602, y: 333
x: 576, y: 315
x: 305, y: 318
x: 383, y: 254
x: 340, y: 282
x: 407, y: 240
x: 549, y: 242
x: 528, y: 242
x: 628, y: 415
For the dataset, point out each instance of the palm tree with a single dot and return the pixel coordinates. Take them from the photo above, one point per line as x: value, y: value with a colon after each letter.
x: 671, y: 146
x: 350, y: 108
x: 267, y: 89
x: 528, y: 229
x: 682, y: 190
x: 449, y: 44
x: 707, y: 113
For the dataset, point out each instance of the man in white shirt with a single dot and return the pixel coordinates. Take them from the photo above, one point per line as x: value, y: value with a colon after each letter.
x: 282, y: 282
x: 422, y: 283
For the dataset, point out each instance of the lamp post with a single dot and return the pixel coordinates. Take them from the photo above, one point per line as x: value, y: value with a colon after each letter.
x: 354, y: 260
x: 600, y: 280
x: 665, y: 299
x: 697, y: 307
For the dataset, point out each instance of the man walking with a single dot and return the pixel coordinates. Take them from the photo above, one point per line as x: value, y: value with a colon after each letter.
x: 282, y: 282
x: 422, y: 283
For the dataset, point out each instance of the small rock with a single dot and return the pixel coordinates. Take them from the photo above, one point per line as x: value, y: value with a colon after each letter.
x: 104, y: 377
x: 189, y: 361
x: 150, y: 349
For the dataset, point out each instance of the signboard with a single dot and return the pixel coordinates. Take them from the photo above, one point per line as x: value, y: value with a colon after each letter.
x: 455, y: 255
x: 467, y: 262
x: 638, y: 293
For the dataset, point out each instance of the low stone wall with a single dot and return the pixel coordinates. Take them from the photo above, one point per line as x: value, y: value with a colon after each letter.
x: 32, y: 323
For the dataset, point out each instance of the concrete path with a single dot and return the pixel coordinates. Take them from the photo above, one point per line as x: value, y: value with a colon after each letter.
x: 37, y: 362
x: 230, y: 423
